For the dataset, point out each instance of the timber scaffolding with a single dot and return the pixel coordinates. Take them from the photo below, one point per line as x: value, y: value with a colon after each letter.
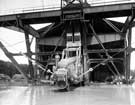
x: 102, y: 39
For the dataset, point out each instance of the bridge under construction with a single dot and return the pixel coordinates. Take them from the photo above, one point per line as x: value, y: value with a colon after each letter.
x: 105, y: 44
x: 82, y: 45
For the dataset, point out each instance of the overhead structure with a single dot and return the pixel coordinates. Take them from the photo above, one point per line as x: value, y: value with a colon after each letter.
x: 103, y: 41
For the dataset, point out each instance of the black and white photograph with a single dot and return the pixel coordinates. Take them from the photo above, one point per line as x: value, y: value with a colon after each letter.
x: 67, y: 52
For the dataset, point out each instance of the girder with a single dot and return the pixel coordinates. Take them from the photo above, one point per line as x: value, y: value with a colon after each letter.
x: 105, y: 11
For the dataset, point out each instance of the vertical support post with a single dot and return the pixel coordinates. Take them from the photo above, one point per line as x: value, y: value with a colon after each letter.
x: 128, y: 55
x: 30, y: 68
x: 37, y: 71
x: 125, y: 57
x: 84, y: 44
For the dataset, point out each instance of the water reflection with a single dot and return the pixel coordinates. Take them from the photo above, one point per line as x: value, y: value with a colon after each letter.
x: 132, y: 96
x: 45, y: 95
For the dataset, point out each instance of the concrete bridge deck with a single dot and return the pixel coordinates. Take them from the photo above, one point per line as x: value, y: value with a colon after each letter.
x: 112, y: 10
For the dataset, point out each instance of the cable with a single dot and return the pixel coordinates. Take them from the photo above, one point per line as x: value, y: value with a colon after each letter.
x: 16, y: 43
x: 11, y: 45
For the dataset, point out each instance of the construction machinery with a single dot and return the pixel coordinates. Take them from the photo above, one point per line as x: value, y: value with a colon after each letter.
x: 107, y: 48
x: 70, y: 67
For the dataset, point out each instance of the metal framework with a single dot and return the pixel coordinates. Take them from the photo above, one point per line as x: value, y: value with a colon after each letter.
x: 84, y: 14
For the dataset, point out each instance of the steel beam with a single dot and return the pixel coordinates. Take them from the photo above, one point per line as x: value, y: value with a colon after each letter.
x: 7, y: 53
x: 127, y: 24
x: 105, y: 11
x: 107, y: 54
x: 30, y: 68
x: 112, y: 26
x: 85, y: 55
x: 14, y: 29
x: 30, y: 30
x: 37, y: 53
x: 128, y: 54
x: 108, y: 66
x: 108, y: 50
x: 97, y: 60
x: 95, y: 35
x: 47, y: 30
x: 31, y: 40
x: 27, y: 28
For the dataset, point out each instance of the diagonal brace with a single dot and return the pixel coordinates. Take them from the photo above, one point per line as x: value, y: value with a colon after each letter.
x: 128, y: 22
x: 7, y: 53
x: 27, y: 28
x: 108, y: 65
x: 47, y: 30
x: 112, y: 25
x: 94, y: 33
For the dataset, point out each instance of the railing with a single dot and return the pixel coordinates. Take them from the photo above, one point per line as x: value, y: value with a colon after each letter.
x: 27, y: 10
x: 57, y: 6
x: 108, y: 2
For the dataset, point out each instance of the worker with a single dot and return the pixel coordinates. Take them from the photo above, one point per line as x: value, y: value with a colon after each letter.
x: 57, y: 58
x: 49, y: 73
x: 54, y: 68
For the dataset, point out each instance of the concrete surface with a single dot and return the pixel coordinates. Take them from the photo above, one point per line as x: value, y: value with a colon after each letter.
x: 49, y: 95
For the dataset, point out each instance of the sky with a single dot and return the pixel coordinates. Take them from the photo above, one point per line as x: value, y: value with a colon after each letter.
x: 20, y: 6
x: 15, y: 41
